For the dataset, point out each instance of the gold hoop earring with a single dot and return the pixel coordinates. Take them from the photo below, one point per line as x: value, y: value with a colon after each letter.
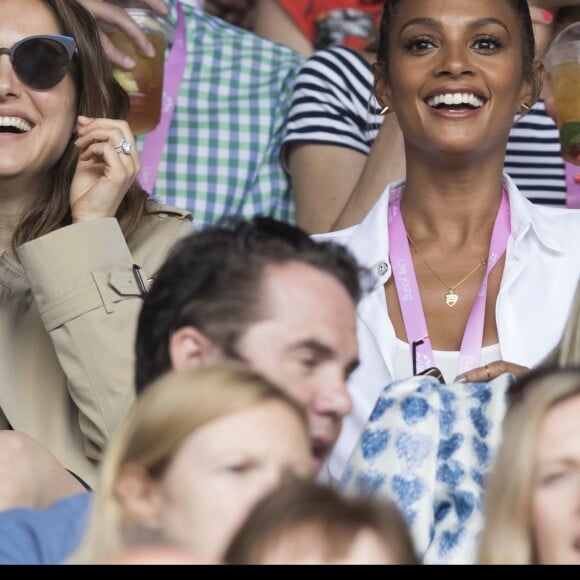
x: 385, y: 110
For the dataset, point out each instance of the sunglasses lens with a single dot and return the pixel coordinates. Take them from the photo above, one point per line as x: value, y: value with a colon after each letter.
x: 41, y: 63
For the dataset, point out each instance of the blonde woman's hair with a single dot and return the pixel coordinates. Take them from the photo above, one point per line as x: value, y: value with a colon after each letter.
x: 507, y: 536
x: 567, y: 352
x: 170, y: 409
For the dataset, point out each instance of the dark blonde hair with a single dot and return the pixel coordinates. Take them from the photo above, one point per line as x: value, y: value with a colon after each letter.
x: 172, y: 407
x: 507, y: 536
x: 98, y: 95
x: 566, y: 353
x: 302, y: 512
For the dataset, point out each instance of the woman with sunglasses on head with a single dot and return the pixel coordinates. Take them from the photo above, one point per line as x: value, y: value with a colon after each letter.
x: 461, y: 257
x: 532, y: 499
x: 79, y: 239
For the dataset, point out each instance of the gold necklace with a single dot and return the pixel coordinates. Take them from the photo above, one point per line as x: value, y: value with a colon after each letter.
x: 451, y: 297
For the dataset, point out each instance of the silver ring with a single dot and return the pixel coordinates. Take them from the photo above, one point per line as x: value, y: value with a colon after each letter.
x: 124, y: 147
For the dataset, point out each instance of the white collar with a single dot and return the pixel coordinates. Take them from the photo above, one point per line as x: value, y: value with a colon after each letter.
x: 369, y: 240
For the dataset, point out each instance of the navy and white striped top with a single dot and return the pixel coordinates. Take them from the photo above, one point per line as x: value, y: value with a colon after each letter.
x: 333, y: 104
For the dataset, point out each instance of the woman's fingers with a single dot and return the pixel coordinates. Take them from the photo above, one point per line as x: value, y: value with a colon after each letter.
x: 490, y: 371
x: 106, y: 131
x: 105, y: 170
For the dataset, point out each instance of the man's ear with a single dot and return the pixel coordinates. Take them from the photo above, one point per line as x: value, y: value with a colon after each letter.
x: 188, y: 347
x: 139, y: 496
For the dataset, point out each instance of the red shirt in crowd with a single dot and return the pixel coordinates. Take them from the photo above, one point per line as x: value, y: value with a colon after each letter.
x: 353, y: 23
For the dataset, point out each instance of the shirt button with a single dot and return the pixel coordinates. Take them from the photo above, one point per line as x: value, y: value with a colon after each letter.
x: 577, y: 178
x: 383, y: 268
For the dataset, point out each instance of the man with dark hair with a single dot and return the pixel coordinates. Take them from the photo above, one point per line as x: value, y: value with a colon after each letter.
x: 261, y: 291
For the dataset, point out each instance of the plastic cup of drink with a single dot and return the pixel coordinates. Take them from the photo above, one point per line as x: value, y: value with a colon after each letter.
x: 562, y: 63
x: 144, y: 82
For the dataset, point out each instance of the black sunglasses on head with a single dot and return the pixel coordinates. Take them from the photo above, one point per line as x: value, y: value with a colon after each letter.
x: 41, y: 62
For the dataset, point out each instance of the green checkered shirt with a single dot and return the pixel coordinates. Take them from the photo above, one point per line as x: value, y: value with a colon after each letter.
x: 222, y: 155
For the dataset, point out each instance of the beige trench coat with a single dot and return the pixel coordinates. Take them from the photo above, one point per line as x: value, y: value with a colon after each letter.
x: 68, y: 317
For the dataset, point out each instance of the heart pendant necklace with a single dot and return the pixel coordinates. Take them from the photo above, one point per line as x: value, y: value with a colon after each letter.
x: 451, y: 297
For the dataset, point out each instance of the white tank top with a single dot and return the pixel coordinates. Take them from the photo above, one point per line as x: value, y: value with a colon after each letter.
x: 447, y: 361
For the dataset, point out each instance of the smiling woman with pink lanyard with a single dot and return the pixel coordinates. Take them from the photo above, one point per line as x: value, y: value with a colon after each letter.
x: 471, y: 277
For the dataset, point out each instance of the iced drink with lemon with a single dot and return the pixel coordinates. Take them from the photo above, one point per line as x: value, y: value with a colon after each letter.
x: 144, y: 82
x: 563, y: 68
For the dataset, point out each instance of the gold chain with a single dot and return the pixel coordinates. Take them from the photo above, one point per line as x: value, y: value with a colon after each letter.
x: 451, y: 297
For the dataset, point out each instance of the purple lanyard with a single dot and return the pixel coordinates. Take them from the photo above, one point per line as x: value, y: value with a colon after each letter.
x: 172, y: 76
x: 410, y: 298
x: 572, y: 185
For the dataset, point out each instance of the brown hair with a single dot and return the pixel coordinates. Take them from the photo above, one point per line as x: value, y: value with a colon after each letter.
x: 212, y: 281
x: 98, y: 95
x: 333, y: 520
x: 563, y: 17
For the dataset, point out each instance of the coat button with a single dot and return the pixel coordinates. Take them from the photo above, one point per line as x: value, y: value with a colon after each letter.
x: 383, y: 268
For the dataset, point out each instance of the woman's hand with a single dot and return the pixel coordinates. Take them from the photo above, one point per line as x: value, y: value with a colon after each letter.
x: 103, y: 175
x: 490, y: 371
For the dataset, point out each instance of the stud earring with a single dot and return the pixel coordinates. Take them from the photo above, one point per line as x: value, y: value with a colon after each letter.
x: 385, y: 110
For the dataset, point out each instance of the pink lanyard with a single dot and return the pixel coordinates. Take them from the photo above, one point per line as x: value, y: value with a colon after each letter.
x: 172, y: 76
x: 572, y: 185
x: 410, y: 299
